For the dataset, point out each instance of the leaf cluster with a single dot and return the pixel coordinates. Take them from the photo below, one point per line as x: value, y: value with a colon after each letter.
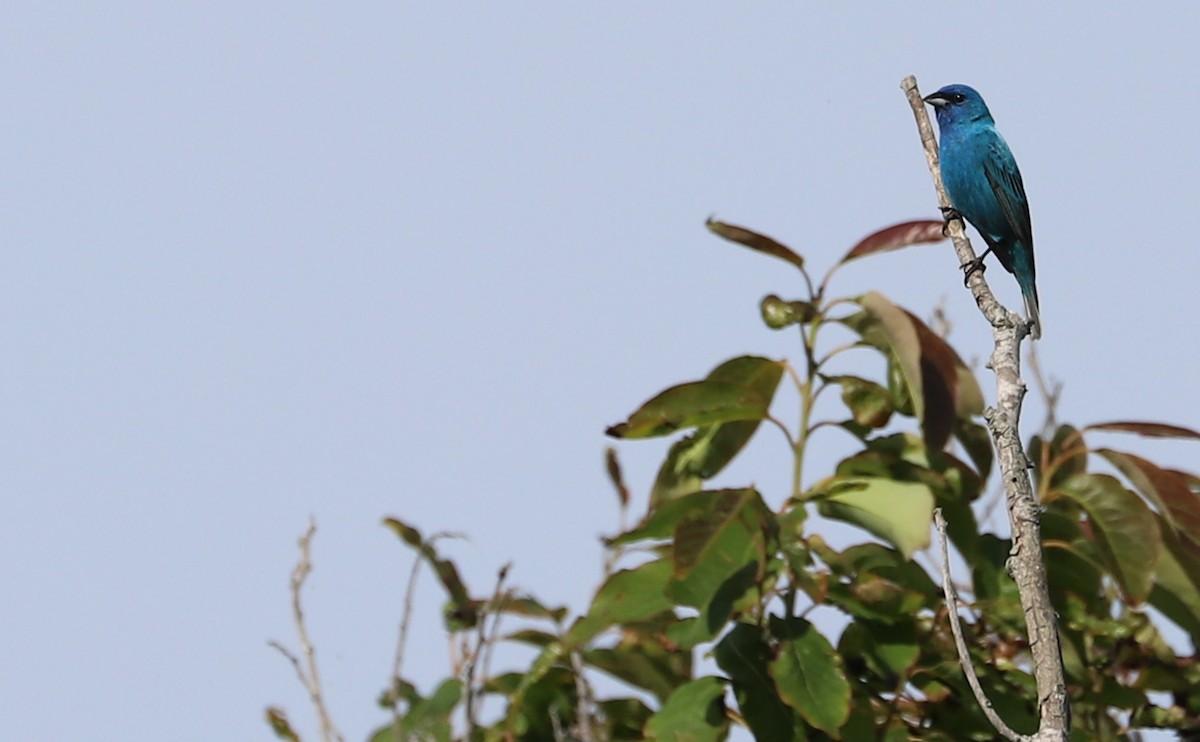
x: 708, y: 613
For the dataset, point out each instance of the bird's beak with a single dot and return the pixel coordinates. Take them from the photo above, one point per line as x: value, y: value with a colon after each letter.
x: 937, y: 100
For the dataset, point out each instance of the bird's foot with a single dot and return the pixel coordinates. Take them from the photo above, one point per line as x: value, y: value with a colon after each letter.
x: 949, y: 214
x: 972, y: 266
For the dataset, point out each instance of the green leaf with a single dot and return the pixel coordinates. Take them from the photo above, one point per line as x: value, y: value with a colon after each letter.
x: 1066, y: 455
x: 694, y: 713
x: 462, y: 612
x: 720, y: 554
x: 808, y: 673
x: 428, y: 719
x: 738, y: 520
x: 890, y: 648
x: 642, y: 664
x: 739, y: 389
x: 900, y: 513
x: 542, y: 669
x: 778, y: 314
x: 744, y: 656
x: 1176, y: 592
x: 1126, y: 530
x: 727, y: 541
x: 690, y: 405
x: 755, y: 373
x: 1166, y: 489
x: 704, y: 454
x: 529, y: 607
x: 543, y: 694
x: 627, y: 596
x: 892, y: 330
x: 877, y: 583
x: 869, y: 403
x: 903, y: 457
x: 660, y: 523
x: 1069, y: 571
x: 755, y: 241
x: 624, y: 718
x: 532, y: 637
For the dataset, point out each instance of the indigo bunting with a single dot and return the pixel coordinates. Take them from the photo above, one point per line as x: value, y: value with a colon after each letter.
x: 985, y: 188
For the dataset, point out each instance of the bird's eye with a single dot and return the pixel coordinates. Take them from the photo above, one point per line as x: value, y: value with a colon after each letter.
x: 958, y: 98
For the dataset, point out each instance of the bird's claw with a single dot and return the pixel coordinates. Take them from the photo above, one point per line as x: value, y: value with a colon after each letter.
x: 972, y: 266
x: 949, y: 214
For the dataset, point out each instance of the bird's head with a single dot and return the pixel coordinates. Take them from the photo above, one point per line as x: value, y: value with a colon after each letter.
x: 955, y: 103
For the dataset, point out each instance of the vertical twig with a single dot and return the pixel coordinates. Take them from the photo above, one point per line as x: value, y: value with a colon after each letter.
x: 964, y: 657
x: 307, y: 670
x: 1025, y: 563
x: 585, y: 701
x: 402, y: 640
x: 483, y: 647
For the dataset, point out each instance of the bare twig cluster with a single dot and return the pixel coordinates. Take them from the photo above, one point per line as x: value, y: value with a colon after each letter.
x: 306, y: 668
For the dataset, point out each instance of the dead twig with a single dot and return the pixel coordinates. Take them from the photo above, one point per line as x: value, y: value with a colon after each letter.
x: 306, y: 669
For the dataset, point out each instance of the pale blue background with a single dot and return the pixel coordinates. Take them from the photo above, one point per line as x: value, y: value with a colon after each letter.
x: 263, y: 261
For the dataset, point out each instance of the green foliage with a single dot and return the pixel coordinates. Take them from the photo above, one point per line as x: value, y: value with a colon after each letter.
x: 704, y: 612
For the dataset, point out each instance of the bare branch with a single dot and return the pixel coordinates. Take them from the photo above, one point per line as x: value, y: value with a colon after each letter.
x: 483, y: 647
x: 1025, y: 563
x: 585, y: 701
x: 964, y: 657
x: 306, y: 669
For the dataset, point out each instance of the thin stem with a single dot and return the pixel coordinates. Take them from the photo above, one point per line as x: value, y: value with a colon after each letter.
x: 807, y: 400
x: 779, y: 424
x: 964, y: 657
x: 482, y: 648
x: 307, y: 669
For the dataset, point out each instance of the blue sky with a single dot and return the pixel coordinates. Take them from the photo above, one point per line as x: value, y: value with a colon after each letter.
x: 276, y: 260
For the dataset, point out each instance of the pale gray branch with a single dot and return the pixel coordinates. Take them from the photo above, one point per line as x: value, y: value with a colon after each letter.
x: 964, y: 657
x: 1025, y: 564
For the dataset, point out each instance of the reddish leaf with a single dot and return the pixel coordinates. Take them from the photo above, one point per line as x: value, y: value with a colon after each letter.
x: 939, y: 381
x: 755, y: 241
x: 1168, y: 490
x: 1149, y: 430
x: 897, y: 236
x: 931, y: 371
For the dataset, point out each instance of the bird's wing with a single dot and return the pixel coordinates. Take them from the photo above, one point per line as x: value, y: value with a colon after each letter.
x: 1005, y: 180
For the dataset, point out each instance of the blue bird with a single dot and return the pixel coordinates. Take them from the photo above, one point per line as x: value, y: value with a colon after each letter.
x: 984, y: 185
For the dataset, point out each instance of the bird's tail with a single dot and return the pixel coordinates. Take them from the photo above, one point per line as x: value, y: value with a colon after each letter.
x: 1029, y: 294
